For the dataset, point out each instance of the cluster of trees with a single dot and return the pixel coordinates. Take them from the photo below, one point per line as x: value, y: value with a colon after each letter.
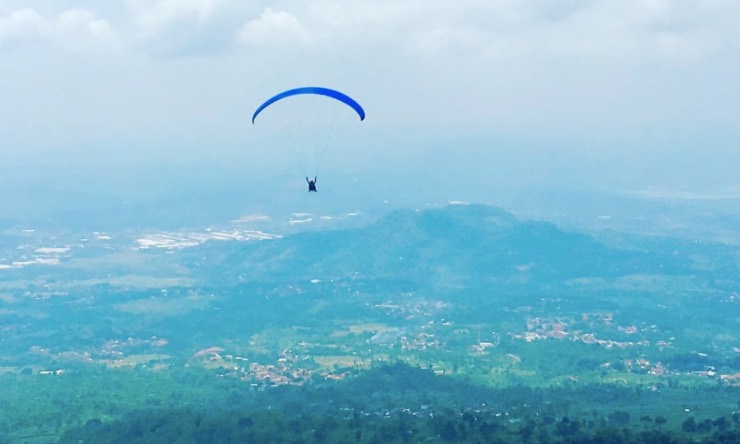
x: 445, y: 426
x: 403, y: 404
x: 388, y: 403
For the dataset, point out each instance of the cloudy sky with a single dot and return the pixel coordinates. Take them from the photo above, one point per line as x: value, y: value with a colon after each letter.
x: 136, y: 78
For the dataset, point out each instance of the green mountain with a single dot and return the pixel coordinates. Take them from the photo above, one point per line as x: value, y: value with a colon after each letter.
x: 455, y: 245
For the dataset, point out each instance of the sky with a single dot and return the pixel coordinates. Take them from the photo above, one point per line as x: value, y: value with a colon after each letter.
x: 598, y: 88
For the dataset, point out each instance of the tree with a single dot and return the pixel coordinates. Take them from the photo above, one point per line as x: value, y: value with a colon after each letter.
x: 659, y: 421
x: 619, y: 417
x: 689, y: 425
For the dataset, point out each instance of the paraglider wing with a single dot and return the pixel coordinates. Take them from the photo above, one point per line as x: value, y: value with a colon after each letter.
x: 349, y: 101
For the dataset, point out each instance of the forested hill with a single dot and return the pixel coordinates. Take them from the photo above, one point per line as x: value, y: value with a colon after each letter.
x: 454, y: 245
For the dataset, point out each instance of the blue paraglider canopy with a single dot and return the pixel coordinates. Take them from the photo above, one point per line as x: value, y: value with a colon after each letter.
x: 334, y: 94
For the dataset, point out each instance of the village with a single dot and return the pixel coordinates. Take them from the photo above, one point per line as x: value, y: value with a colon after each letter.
x: 431, y: 338
x: 426, y: 343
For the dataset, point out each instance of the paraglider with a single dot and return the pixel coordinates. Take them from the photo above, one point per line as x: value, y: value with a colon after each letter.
x: 334, y: 94
x: 306, y: 150
x: 311, y: 184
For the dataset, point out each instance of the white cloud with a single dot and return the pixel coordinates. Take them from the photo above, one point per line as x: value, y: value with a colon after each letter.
x: 78, y: 30
x: 274, y: 28
x: 73, y: 30
x: 675, y: 29
x: 23, y: 25
x: 679, y: 30
x: 185, y: 27
x: 167, y: 12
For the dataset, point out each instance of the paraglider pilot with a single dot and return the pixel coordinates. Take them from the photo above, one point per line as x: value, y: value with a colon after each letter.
x: 311, y: 184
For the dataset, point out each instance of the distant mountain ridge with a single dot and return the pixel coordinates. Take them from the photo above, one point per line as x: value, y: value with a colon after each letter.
x: 458, y: 244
